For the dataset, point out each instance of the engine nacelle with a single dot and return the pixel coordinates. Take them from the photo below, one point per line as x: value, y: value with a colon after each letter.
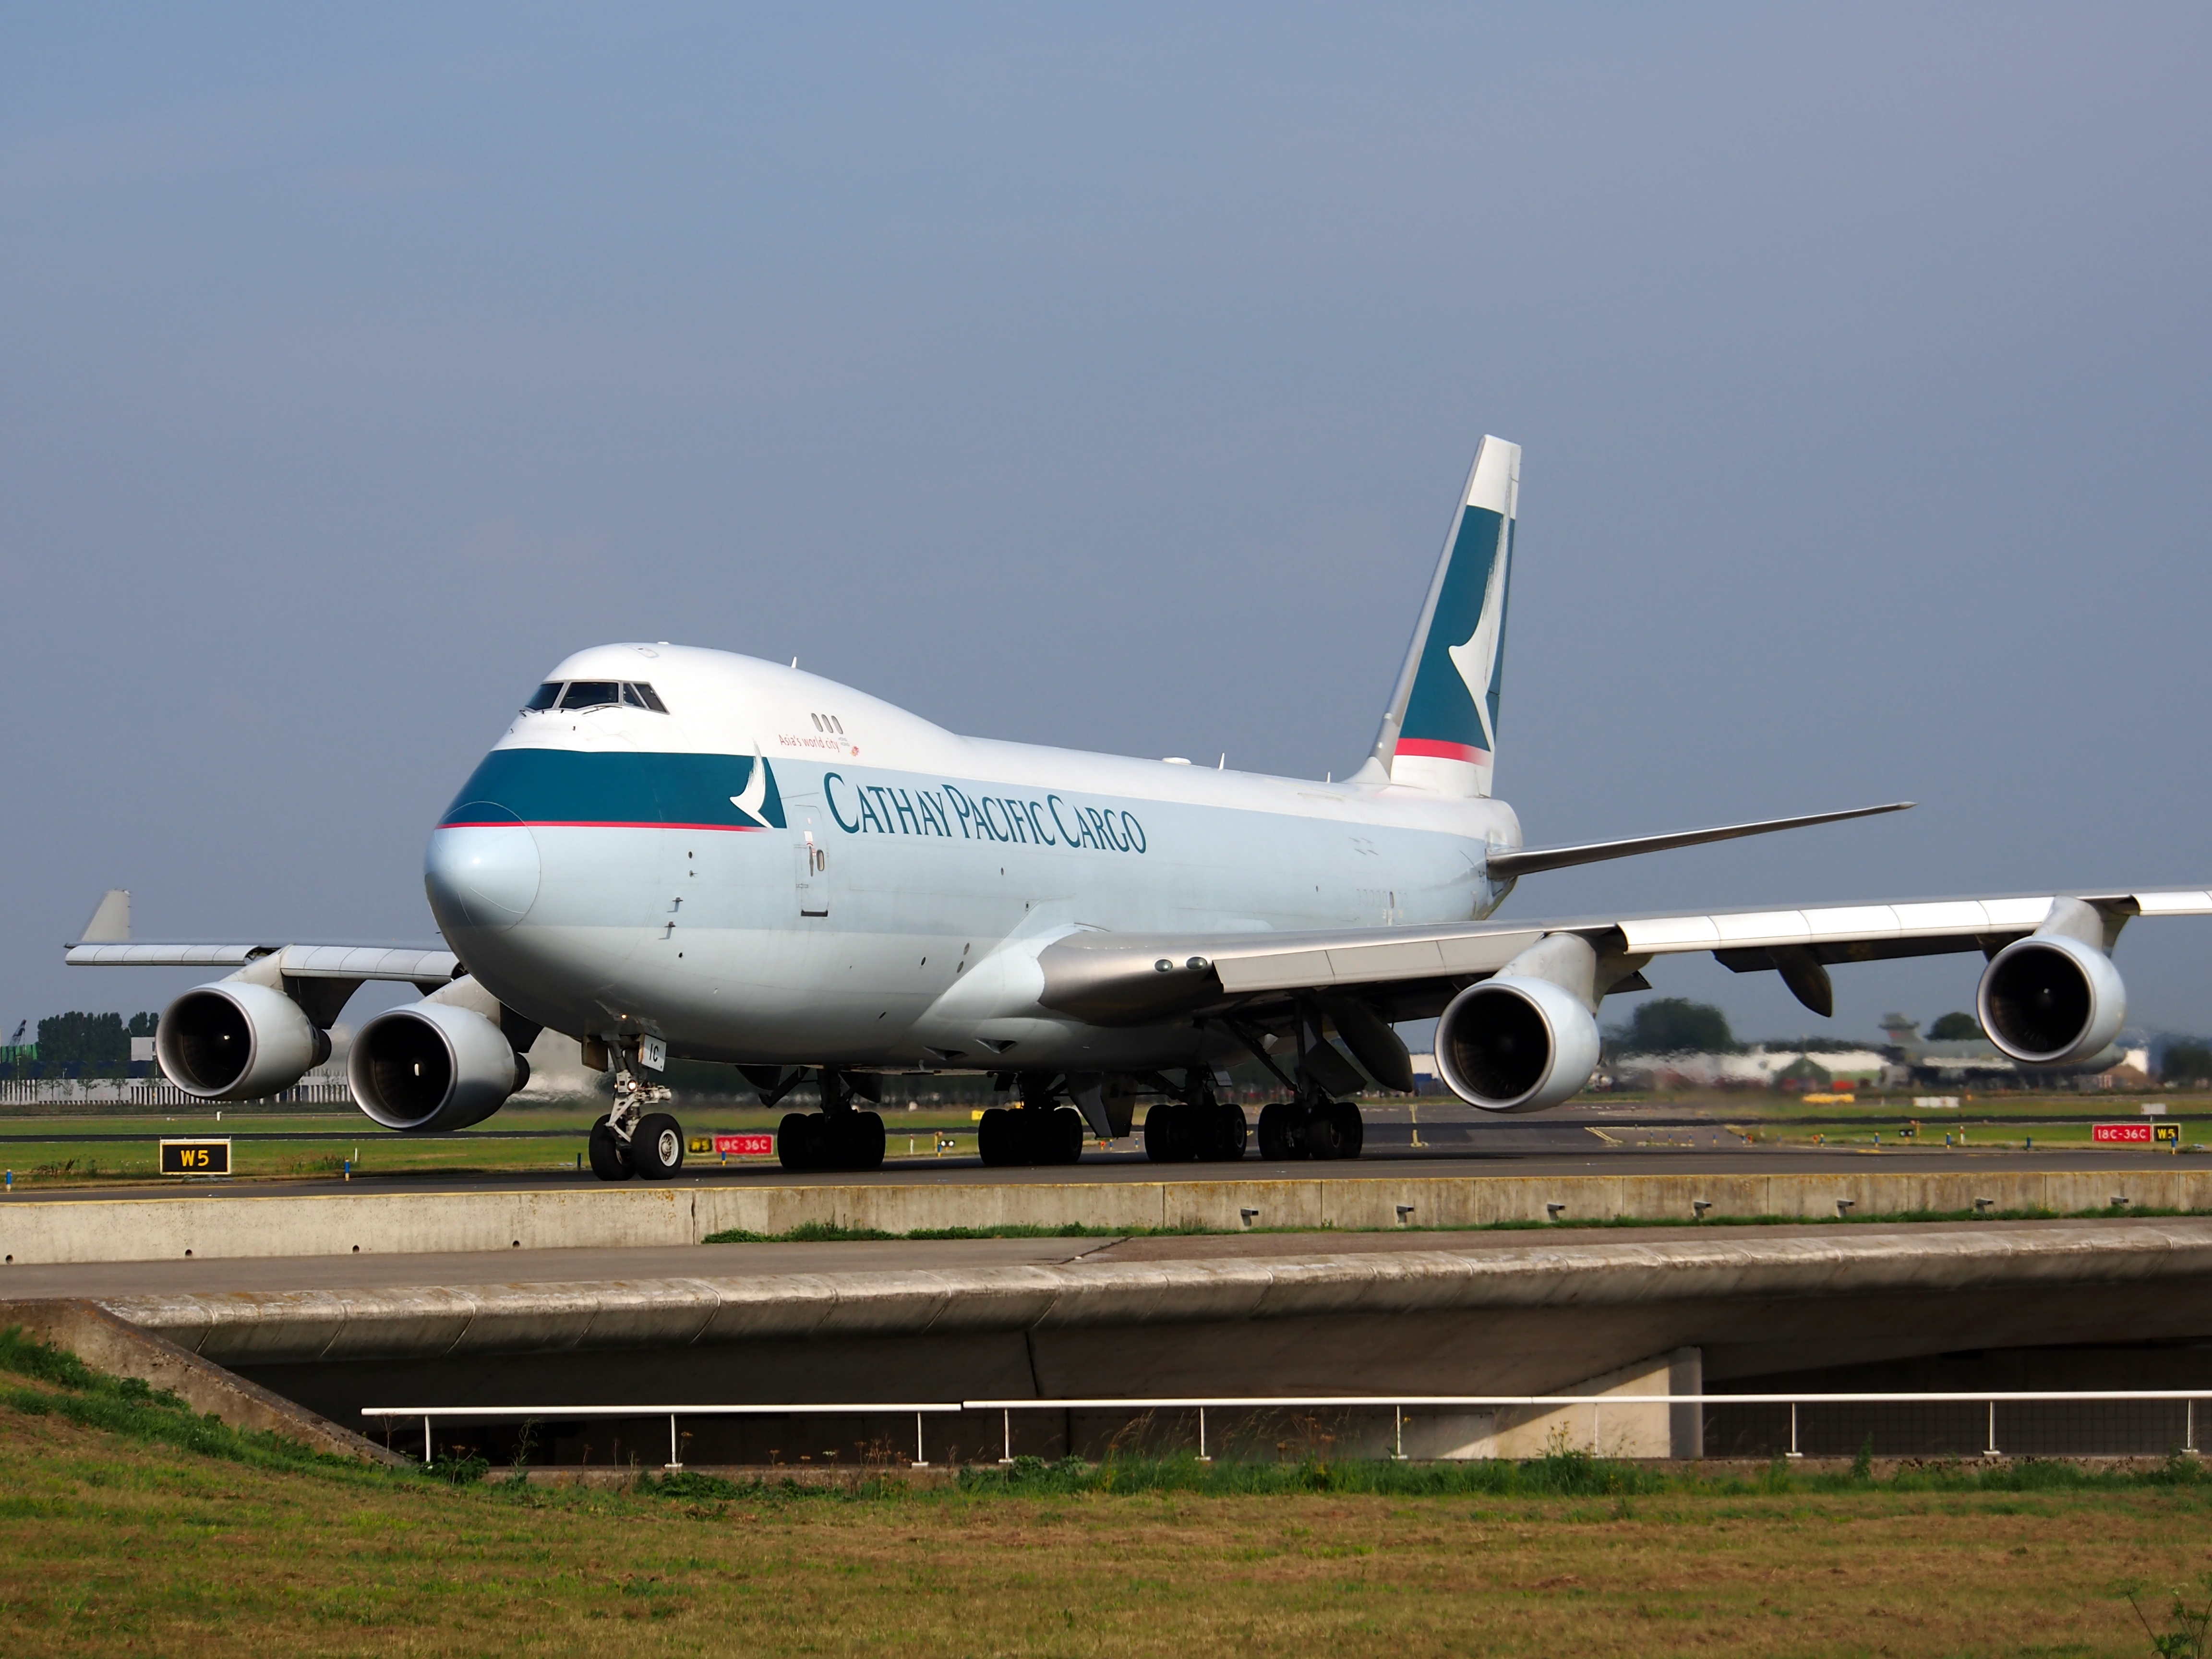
x: 2050, y: 999
x: 234, y: 1040
x: 1516, y: 1044
x: 431, y: 1066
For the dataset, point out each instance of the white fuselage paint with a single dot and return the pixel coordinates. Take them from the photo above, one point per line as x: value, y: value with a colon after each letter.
x: 926, y: 956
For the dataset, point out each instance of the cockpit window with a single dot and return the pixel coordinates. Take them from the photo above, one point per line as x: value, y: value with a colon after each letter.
x: 592, y: 694
x: 595, y: 694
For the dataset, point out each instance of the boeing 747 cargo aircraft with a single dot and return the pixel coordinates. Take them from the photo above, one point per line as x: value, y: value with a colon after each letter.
x: 681, y: 851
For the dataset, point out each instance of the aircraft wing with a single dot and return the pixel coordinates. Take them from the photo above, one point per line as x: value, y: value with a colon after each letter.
x: 1410, y: 973
x: 416, y: 965
x: 106, y: 942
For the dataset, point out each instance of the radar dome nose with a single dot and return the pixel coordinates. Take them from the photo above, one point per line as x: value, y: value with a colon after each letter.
x: 482, y: 874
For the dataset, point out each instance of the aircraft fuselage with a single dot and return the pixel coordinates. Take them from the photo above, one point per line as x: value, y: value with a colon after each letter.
x: 874, y: 894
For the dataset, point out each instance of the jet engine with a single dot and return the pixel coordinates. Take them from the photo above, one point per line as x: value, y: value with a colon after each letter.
x: 2054, y: 996
x: 1516, y: 1044
x: 234, y: 1040
x: 431, y: 1066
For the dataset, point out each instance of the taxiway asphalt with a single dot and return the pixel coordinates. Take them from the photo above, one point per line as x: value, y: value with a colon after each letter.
x: 1474, y: 1151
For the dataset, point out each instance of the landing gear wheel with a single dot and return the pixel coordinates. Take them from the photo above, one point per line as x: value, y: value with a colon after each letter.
x: 609, y: 1158
x: 798, y: 1142
x: 1224, y: 1133
x: 1351, y: 1128
x: 656, y: 1150
x: 1324, y: 1130
x: 994, y: 1136
x: 857, y: 1138
x: 1066, y: 1135
x: 1282, y: 1131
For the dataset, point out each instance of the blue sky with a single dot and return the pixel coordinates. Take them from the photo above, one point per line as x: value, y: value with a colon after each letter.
x: 1103, y: 377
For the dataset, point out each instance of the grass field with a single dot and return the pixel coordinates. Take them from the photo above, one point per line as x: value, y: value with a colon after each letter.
x: 127, y: 1524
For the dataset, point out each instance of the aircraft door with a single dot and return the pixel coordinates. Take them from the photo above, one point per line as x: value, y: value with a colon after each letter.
x: 813, y: 877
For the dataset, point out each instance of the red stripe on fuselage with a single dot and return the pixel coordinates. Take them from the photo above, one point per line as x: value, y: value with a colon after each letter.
x: 594, y: 823
x: 1437, y: 749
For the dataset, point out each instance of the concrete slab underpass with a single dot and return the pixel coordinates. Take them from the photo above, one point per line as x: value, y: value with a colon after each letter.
x: 607, y: 1296
x: 2112, y: 1304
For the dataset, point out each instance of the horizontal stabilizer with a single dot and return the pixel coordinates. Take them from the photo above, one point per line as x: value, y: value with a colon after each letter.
x: 1530, y: 860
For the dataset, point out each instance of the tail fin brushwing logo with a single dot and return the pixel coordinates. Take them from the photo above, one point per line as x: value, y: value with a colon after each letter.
x: 1477, y: 658
x: 1446, y: 714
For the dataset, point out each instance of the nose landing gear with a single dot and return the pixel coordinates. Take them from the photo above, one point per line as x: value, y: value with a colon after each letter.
x: 632, y: 1141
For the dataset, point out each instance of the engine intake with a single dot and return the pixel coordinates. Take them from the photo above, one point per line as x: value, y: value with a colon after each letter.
x: 2050, y: 999
x: 431, y: 1066
x: 1516, y: 1044
x: 234, y: 1040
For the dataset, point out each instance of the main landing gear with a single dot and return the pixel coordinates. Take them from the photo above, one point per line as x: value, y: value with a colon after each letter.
x: 1197, y: 1128
x: 1031, y: 1135
x: 632, y: 1141
x: 1311, y: 1128
x: 1036, y: 1131
x: 838, y: 1137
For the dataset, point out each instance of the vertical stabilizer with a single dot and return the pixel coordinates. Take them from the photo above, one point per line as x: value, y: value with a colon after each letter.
x: 1440, y: 733
x: 111, y: 920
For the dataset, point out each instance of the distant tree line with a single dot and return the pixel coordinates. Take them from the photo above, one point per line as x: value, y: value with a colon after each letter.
x: 2186, y: 1062
x: 1955, y: 1028
x: 78, y: 1044
x: 1675, y: 1025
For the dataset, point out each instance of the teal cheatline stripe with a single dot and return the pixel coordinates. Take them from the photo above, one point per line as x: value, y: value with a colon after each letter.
x: 561, y: 786
x: 1440, y: 708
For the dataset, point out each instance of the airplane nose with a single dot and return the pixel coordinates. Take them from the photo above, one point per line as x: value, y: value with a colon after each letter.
x: 482, y: 875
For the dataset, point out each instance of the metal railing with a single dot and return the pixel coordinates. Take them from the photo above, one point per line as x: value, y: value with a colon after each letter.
x: 1398, y: 1404
x: 537, y: 1413
x: 135, y: 1092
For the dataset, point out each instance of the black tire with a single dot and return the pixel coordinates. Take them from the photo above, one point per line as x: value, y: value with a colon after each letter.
x: 1032, y: 1140
x: 795, y: 1142
x: 996, y: 1137
x: 609, y: 1158
x: 1324, y: 1132
x: 656, y: 1150
x: 859, y: 1138
x: 1168, y: 1137
x: 1068, y: 1129
x: 1275, y: 1120
x: 1231, y: 1132
x: 1351, y: 1128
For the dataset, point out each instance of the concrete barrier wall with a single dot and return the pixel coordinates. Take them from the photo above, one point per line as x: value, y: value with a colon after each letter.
x: 210, y: 1225
x: 121, y: 1349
